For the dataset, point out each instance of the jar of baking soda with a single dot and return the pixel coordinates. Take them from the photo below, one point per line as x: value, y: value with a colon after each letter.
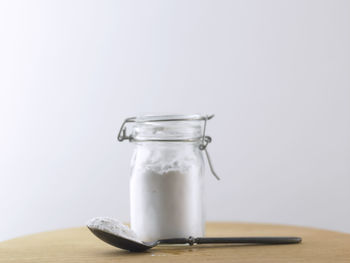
x: 167, y: 175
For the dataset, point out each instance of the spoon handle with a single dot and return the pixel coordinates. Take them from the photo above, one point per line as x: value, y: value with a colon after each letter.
x: 237, y: 240
x: 248, y: 240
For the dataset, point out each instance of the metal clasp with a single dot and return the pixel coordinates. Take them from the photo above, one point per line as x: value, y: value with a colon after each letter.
x: 203, y: 147
x: 122, y: 131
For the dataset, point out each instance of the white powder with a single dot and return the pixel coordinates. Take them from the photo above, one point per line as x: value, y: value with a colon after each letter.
x: 166, y: 195
x: 113, y: 227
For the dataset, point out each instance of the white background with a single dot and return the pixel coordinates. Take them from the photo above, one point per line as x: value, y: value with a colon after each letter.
x: 275, y: 73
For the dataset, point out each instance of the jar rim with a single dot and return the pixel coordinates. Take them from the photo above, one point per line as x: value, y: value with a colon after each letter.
x: 171, y: 117
x: 180, y: 127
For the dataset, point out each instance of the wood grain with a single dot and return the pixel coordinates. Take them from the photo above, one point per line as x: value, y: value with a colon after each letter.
x: 79, y: 245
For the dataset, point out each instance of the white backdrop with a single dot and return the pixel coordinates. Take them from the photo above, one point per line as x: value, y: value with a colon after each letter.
x: 275, y: 73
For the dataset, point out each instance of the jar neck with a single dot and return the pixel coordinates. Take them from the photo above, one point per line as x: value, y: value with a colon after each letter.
x: 167, y: 145
x: 167, y: 132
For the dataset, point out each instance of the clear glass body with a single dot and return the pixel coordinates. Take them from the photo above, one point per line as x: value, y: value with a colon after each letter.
x: 166, y: 186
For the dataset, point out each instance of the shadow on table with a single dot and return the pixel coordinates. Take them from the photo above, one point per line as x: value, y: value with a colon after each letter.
x: 164, y: 250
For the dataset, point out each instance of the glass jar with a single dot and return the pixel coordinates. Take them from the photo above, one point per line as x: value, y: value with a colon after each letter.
x: 167, y: 173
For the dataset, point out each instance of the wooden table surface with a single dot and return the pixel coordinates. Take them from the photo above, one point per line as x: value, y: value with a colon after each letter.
x: 79, y: 245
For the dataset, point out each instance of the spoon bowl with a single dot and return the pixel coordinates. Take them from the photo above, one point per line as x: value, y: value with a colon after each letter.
x: 122, y: 242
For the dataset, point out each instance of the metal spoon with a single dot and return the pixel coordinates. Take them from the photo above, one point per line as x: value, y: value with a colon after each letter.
x: 134, y: 245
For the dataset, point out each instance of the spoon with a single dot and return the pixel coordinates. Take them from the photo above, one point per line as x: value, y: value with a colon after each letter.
x: 118, y: 235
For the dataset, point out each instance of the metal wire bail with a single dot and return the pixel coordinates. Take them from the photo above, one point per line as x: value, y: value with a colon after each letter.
x: 203, y: 147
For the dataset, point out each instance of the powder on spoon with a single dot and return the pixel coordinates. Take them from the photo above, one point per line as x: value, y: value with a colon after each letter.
x: 113, y: 227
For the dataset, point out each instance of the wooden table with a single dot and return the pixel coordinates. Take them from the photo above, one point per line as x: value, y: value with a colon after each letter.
x: 79, y: 245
